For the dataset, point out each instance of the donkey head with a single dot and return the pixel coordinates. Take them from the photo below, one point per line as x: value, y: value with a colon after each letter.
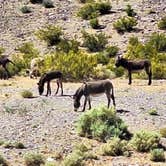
x: 119, y: 61
x: 76, y: 103
x: 40, y: 88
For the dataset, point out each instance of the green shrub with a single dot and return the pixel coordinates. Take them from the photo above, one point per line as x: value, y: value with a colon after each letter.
x: 86, y: 1
x: 143, y: 141
x: 103, y: 7
x: 157, y: 155
x: 19, y: 145
x: 102, y: 58
x: 88, y: 11
x: 73, y: 65
x: 3, y: 161
x: 36, y: 1
x: 130, y: 12
x: 26, y: 94
x: 94, y: 43
x: 101, y: 123
x: 48, y: 3
x: 26, y: 9
x: 111, y: 51
x: 32, y: 159
x: 2, y: 50
x: 115, y: 147
x: 94, y: 23
x: 162, y: 23
x: 153, y: 112
x: 68, y: 45
x: 50, y: 34
x: 101, y: 72
x: 163, y: 132
x: 125, y: 24
x: 158, y: 41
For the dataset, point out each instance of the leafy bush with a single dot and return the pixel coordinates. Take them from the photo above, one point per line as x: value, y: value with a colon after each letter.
x: 19, y: 145
x: 163, y: 132
x: 157, y: 155
x: 143, y: 141
x: 101, y: 72
x: 115, y: 147
x: 130, y: 12
x: 26, y: 9
x: 94, y: 43
x: 51, y: 34
x: 162, y: 23
x: 2, y: 50
x: 103, y: 7
x: 102, y: 58
x: 68, y: 45
x: 125, y: 24
x: 73, y: 65
x: 94, y: 23
x: 86, y: 1
x: 101, y: 123
x: 26, y: 94
x: 36, y: 1
x: 158, y: 41
x: 88, y: 11
x: 48, y: 3
x: 111, y: 51
x: 32, y: 159
x: 153, y: 112
x: 3, y: 161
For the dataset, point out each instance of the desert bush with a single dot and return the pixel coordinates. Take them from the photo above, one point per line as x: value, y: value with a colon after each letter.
x: 3, y: 161
x: 94, y: 23
x: 101, y: 72
x: 163, y: 132
x: 26, y: 94
x: 8, y: 145
x: 36, y: 1
x: 50, y: 34
x: 101, y: 123
x: 73, y: 65
x: 130, y: 12
x: 157, y: 155
x: 125, y: 24
x: 88, y: 11
x: 32, y: 159
x: 158, y: 41
x: 152, y: 112
x: 48, y: 3
x: 115, y: 147
x: 68, y: 45
x: 94, y: 42
x: 111, y: 51
x: 26, y: 9
x: 162, y: 23
x: 86, y: 1
x: 78, y: 156
x: 19, y: 145
x: 143, y: 141
x: 2, y: 50
x: 103, y: 7
x: 102, y: 58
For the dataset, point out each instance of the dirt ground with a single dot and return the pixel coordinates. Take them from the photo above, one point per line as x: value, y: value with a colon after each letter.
x: 46, y: 124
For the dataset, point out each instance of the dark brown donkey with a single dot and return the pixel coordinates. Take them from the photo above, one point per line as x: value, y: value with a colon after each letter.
x: 91, y: 89
x: 134, y: 66
x: 47, y: 78
x: 3, y: 62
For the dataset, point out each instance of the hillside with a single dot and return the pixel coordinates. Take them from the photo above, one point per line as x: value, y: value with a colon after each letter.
x: 17, y: 28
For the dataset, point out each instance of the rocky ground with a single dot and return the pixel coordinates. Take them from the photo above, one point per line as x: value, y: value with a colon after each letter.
x: 46, y: 124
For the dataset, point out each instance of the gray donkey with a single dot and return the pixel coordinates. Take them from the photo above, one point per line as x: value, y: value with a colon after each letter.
x: 91, y: 89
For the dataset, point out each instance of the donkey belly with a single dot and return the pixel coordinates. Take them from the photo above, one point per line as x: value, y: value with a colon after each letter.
x: 96, y: 94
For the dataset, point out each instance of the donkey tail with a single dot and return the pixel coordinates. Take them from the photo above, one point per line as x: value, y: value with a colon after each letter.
x: 113, y: 97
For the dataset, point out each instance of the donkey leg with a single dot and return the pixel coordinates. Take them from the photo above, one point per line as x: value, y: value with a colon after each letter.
x: 7, y: 72
x: 130, y: 78
x: 57, y: 87
x: 108, y: 98
x: 86, y: 98
x: 48, y: 88
x: 61, y: 87
x: 149, y: 73
x: 89, y: 103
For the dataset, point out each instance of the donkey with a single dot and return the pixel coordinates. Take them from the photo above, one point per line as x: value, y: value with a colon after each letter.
x: 134, y: 66
x: 46, y: 78
x: 91, y: 89
x: 3, y: 62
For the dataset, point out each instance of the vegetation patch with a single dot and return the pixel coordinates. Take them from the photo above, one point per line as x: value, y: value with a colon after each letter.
x: 163, y: 132
x: 26, y: 9
x: 157, y: 155
x: 3, y: 161
x: 162, y: 23
x: 152, y: 112
x: 130, y: 12
x: 26, y: 94
x: 48, y: 3
x: 144, y: 141
x: 32, y: 159
x: 102, y: 123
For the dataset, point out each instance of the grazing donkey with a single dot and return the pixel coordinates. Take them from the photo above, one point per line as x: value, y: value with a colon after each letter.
x: 134, y: 66
x: 3, y: 62
x: 91, y: 89
x: 47, y: 77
